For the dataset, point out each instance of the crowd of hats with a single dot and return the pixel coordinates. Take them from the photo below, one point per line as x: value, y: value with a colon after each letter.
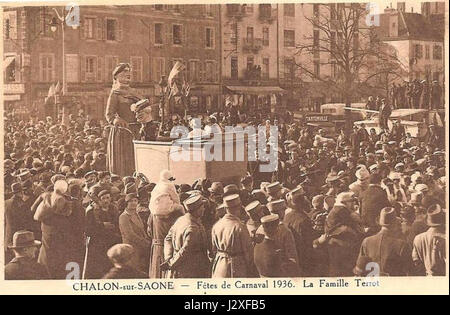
x: 43, y: 156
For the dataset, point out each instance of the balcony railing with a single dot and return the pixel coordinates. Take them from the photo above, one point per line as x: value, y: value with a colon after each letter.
x: 252, y: 44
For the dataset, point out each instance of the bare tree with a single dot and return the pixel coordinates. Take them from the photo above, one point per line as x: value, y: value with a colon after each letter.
x: 342, y: 40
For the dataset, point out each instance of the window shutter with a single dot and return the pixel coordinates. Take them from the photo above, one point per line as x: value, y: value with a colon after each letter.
x: 53, y: 67
x: 105, y: 29
x: 13, y: 24
x: 119, y: 30
x: 152, y: 32
x: 83, y: 68
x: 99, y: 28
x: 41, y: 68
x: 201, y: 71
x: 185, y: 41
x: 169, y: 34
x: 82, y: 28
x: 100, y: 63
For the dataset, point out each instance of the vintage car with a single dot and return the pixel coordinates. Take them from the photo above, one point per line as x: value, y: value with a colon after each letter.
x: 415, y: 121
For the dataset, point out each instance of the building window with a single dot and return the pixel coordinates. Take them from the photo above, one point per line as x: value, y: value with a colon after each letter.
x: 234, y: 68
x: 233, y: 35
x: 159, y: 7
x: 210, y: 71
x: 7, y: 29
x: 72, y: 68
x: 289, y: 9
x: 333, y: 70
x: 289, y: 38
x: 436, y: 76
x: 90, y: 68
x: 265, y: 68
x: 160, y: 68
x: 316, y: 39
x: 193, y: 70
x: 265, y: 36
x: 208, y: 9
x: 317, y: 68
x: 89, y: 28
x: 333, y: 41
x: 332, y: 11
x: 418, y: 51
x: 250, y: 34
x: 250, y: 62
x: 136, y: 69
x: 355, y: 42
x: 110, y: 63
x: 427, y: 52
x: 111, y: 29
x: 177, y: 34
x: 289, y: 72
x: 316, y: 10
x: 209, y: 40
x: 10, y: 24
x: 10, y: 70
x: 437, y: 52
x: 47, y: 67
x: 177, y: 8
x: 265, y: 10
x: 158, y: 33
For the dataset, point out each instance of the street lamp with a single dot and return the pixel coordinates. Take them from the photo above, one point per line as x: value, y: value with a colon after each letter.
x: 53, y: 27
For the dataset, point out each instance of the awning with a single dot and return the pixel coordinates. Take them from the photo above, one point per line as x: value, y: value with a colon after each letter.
x: 256, y: 90
x: 8, y: 61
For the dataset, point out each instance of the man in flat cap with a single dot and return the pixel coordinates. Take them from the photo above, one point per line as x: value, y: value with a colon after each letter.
x: 24, y: 265
x: 102, y: 230
x: 186, y: 245
x: 343, y: 235
x: 386, y: 249
x: 120, y: 256
x: 301, y: 226
x: 17, y: 217
x: 232, y: 243
x: 373, y: 199
x: 429, y: 251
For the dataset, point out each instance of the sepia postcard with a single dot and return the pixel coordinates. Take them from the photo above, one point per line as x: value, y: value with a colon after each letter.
x: 224, y: 148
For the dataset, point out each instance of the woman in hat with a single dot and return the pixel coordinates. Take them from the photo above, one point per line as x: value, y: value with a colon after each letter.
x: 133, y: 233
x: 118, y: 113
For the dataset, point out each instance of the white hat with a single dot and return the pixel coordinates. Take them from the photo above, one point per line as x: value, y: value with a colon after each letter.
x: 421, y: 188
x: 345, y: 196
x: 362, y: 173
x: 269, y: 218
x: 165, y: 175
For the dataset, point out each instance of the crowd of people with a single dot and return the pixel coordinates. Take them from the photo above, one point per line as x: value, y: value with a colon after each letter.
x: 332, y: 206
x: 423, y: 94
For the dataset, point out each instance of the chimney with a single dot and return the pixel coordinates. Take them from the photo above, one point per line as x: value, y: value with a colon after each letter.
x: 412, y: 9
x: 401, y: 6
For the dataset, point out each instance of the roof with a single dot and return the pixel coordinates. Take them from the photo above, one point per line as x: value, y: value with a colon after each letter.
x: 256, y: 89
